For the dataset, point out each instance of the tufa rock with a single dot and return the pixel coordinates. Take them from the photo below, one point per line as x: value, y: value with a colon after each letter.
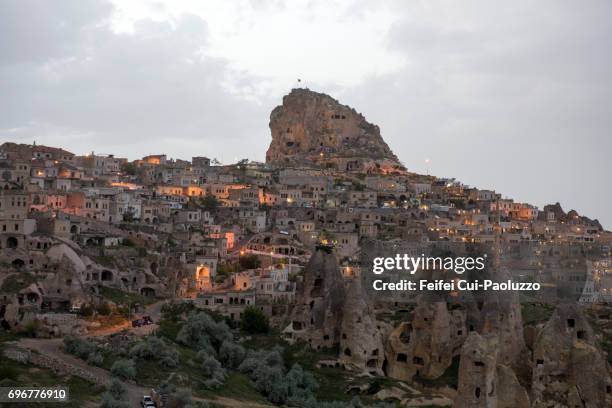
x: 483, y: 380
x: 313, y: 128
x: 317, y: 315
x: 426, y: 346
x: 568, y: 365
x: 361, y: 341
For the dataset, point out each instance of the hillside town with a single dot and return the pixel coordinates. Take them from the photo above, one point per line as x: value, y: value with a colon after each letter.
x: 288, y: 237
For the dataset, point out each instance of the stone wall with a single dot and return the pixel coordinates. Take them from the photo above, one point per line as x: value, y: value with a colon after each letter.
x: 55, y: 364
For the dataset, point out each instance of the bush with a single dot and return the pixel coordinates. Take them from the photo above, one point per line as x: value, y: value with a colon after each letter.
x: 249, y: 262
x: 95, y: 359
x: 301, y: 383
x: 81, y: 348
x: 124, y: 369
x: 266, y: 369
x: 209, y: 202
x: 231, y: 354
x: 201, y: 332
x: 115, y: 397
x: 173, y: 311
x: 254, y: 320
x: 155, y: 348
x: 214, y: 371
x: 87, y: 310
x: 104, y: 309
x: 270, y: 381
x: 181, y: 398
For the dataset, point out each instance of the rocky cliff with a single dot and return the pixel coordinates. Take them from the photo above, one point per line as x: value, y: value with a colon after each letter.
x: 313, y: 128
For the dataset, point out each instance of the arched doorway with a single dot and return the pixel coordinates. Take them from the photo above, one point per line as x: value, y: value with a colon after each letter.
x: 106, y: 276
x: 12, y: 242
x: 18, y: 263
x: 146, y: 291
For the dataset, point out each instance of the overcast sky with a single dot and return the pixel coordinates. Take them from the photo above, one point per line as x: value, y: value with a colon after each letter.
x: 510, y: 95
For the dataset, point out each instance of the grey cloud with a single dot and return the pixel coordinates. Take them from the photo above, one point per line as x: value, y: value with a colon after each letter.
x: 130, y: 94
x: 507, y: 95
x: 513, y: 96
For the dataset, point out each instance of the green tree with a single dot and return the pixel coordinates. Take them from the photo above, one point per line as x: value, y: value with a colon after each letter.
x: 254, y: 320
x: 209, y: 202
x: 128, y: 168
x: 124, y: 369
x: 249, y: 262
x: 116, y: 396
x: 104, y: 309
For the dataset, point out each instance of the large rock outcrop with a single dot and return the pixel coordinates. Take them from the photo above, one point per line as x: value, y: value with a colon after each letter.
x: 331, y: 312
x: 313, y: 128
x: 317, y: 315
x: 502, y: 315
x: 361, y: 340
x: 569, y: 367
x: 426, y: 346
x: 483, y: 380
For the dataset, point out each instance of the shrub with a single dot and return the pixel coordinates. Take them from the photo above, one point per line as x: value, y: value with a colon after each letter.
x: 270, y: 381
x: 254, y: 320
x: 209, y: 202
x: 249, y: 262
x: 104, y: 309
x: 301, y: 383
x: 95, y: 359
x: 181, y: 398
x: 124, y: 369
x: 87, y: 310
x: 170, y: 359
x: 214, y: 371
x: 155, y: 348
x: 147, y: 348
x: 115, y: 396
x: 201, y: 332
x: 266, y: 369
x: 231, y: 354
x: 81, y: 348
x: 166, y: 387
x: 174, y: 310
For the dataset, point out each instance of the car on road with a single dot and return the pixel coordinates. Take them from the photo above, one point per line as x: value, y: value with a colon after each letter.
x: 147, y: 402
x: 143, y: 321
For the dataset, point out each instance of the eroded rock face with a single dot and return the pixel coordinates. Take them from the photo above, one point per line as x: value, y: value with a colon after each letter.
x: 427, y: 345
x: 568, y: 365
x: 511, y: 393
x: 477, y: 372
x: 330, y: 313
x: 317, y: 315
x: 501, y: 315
x: 311, y: 127
x: 361, y: 341
x: 483, y: 381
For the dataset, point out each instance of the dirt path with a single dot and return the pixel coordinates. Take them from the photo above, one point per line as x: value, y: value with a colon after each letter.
x: 52, y: 348
x: 153, y: 310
